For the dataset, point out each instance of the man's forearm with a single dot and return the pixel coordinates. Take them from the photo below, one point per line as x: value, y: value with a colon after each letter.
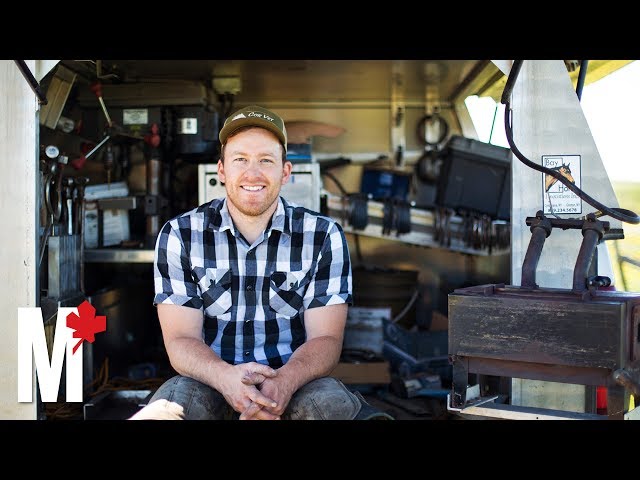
x: 192, y: 358
x: 313, y: 359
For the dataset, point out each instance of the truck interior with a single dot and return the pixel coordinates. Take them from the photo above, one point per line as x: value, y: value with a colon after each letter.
x: 389, y: 148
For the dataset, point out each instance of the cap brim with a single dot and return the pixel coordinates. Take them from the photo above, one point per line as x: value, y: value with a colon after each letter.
x: 253, y: 121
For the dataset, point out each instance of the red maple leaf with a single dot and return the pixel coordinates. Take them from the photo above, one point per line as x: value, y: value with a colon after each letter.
x: 87, y: 324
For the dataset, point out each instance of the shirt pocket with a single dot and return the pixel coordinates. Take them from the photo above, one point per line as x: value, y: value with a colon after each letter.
x: 217, y: 297
x: 286, y: 291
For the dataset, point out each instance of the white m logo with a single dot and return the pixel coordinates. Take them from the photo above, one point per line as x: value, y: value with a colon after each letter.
x: 31, y: 337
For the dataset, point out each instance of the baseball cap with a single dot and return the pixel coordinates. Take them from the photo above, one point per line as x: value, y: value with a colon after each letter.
x: 255, y: 116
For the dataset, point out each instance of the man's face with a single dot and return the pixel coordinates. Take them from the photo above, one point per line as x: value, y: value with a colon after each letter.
x: 253, y: 172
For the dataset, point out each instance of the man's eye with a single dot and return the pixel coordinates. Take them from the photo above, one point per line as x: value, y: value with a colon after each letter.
x: 266, y: 160
x: 239, y: 159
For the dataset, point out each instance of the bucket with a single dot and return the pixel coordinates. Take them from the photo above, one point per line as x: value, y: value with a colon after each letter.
x: 385, y: 287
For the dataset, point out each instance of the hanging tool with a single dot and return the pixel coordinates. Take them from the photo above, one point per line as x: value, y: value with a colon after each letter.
x: 111, y: 132
x: 94, y: 149
x: 96, y: 88
x: 67, y: 183
x: 52, y: 193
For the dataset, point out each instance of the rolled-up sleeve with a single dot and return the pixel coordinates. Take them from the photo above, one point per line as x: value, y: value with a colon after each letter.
x: 173, y: 280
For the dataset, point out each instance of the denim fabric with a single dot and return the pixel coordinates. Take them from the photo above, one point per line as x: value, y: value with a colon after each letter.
x: 182, y: 398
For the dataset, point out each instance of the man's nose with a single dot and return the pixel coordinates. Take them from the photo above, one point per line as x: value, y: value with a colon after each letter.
x: 253, y: 169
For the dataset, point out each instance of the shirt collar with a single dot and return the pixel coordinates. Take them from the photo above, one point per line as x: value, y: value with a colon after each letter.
x: 221, y: 218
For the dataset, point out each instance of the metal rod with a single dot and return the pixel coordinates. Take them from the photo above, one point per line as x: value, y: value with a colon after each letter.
x: 582, y: 75
x: 530, y: 264
x: 585, y: 256
x: 33, y: 83
x: 104, y: 109
x: 96, y: 147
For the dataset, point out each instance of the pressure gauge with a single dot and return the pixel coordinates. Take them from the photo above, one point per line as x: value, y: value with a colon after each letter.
x: 52, y: 151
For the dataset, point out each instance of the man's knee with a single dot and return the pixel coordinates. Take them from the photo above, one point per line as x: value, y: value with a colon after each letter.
x: 325, y: 398
x: 183, y: 398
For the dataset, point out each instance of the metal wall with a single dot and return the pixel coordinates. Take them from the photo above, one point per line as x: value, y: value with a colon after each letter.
x: 18, y: 235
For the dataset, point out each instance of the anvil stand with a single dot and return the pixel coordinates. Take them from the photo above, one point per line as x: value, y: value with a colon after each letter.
x: 581, y: 336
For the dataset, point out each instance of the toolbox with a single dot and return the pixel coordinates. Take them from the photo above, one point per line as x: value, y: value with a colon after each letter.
x: 475, y: 176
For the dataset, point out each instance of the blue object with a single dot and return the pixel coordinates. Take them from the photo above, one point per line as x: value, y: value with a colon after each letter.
x: 381, y: 184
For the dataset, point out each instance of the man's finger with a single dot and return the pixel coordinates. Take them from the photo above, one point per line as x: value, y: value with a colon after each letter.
x: 256, y: 412
x: 257, y: 397
x: 253, y: 378
x: 265, y: 370
x: 251, y: 410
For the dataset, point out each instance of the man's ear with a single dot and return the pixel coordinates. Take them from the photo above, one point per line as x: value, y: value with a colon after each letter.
x: 221, y: 175
x: 286, y: 171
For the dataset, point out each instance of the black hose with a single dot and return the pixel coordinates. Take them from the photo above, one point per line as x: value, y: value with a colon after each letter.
x: 618, y: 213
x: 511, y: 81
x: 582, y: 75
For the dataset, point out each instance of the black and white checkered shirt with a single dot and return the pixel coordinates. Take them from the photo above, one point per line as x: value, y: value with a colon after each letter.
x: 253, y: 296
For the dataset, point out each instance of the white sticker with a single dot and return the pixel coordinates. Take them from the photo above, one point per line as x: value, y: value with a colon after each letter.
x: 558, y: 198
x: 188, y: 126
x: 135, y: 116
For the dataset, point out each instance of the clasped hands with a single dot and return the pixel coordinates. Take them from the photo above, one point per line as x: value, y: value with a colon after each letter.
x: 257, y: 392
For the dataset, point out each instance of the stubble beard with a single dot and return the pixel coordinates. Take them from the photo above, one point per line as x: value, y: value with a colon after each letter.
x: 255, y: 210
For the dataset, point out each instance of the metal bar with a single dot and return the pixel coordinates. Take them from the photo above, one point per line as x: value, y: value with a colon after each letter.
x: 622, y: 277
x: 33, y: 83
x: 539, y: 371
x: 538, y: 236
x: 515, y: 412
x: 633, y: 262
x: 96, y: 147
x: 119, y: 203
x: 585, y: 256
x: 120, y: 255
x: 471, y: 76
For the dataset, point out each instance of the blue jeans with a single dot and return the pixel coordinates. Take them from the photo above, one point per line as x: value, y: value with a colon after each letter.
x: 326, y: 398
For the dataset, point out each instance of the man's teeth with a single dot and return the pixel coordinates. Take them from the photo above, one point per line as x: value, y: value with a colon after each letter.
x: 253, y: 189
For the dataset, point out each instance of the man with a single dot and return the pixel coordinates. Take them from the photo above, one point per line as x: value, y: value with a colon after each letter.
x: 252, y: 294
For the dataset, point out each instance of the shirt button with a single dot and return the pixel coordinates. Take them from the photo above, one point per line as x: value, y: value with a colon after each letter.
x: 250, y: 287
x: 251, y: 253
x: 246, y: 354
x: 247, y: 320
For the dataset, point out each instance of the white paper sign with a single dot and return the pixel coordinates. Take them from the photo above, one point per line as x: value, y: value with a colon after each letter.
x: 558, y: 199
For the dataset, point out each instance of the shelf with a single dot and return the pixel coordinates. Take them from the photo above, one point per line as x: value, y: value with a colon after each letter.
x: 118, y: 255
x: 423, y: 231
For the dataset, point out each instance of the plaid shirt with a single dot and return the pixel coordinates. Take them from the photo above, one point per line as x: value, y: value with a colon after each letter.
x: 253, y: 296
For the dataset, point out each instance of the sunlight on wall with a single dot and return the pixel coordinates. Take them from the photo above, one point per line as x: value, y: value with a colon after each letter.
x: 610, y: 106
